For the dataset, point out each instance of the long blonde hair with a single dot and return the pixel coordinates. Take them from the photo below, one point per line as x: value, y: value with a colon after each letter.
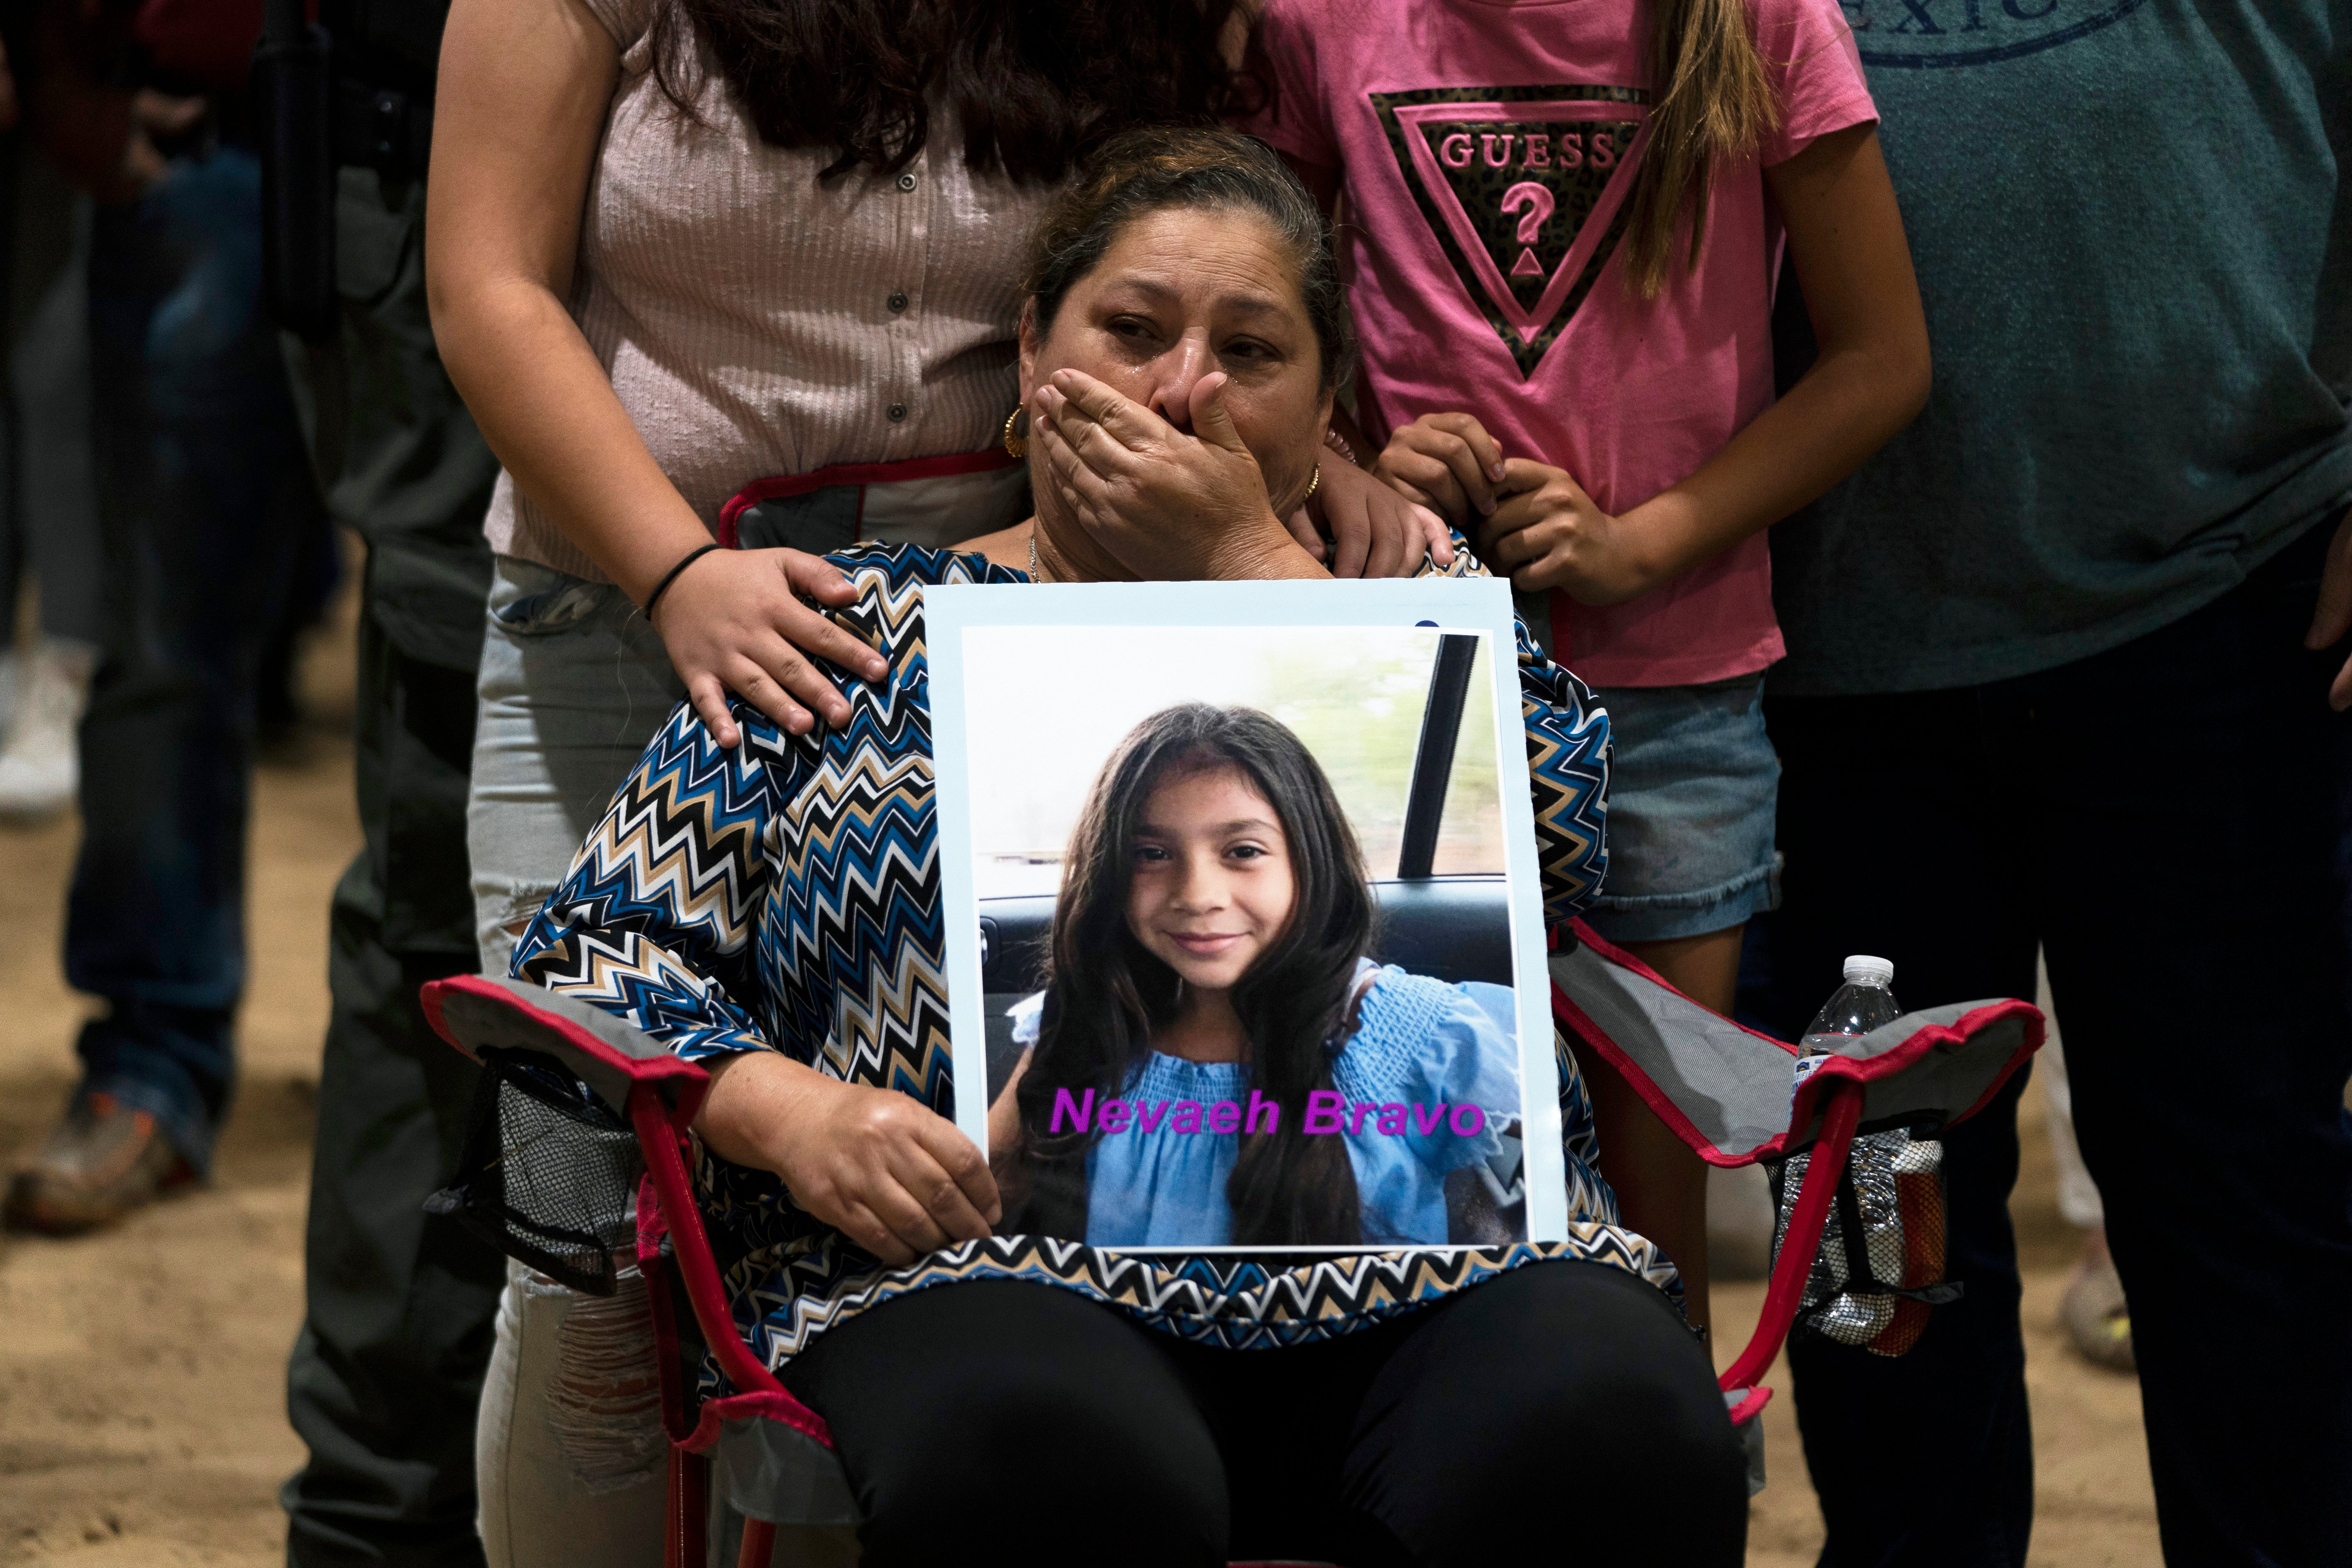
x: 1713, y: 102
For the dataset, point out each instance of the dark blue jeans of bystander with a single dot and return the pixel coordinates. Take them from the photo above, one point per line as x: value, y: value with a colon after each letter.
x: 204, y: 489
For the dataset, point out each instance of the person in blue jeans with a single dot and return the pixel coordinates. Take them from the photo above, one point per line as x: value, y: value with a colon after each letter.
x: 204, y: 490
x: 2065, y: 666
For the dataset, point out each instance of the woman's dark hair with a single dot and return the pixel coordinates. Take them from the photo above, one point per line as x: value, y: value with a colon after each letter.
x: 1152, y: 170
x: 1033, y: 85
x: 1106, y: 994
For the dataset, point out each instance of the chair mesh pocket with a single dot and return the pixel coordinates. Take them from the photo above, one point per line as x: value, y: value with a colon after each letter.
x: 548, y: 1172
x: 1891, y: 1196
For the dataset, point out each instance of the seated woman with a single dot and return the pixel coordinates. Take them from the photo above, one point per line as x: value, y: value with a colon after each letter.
x: 773, y: 910
x: 1211, y: 948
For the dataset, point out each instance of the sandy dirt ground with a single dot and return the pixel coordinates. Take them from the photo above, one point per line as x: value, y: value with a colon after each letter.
x: 142, y: 1372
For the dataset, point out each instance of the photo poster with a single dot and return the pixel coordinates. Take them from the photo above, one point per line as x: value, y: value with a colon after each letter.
x: 1439, y: 1085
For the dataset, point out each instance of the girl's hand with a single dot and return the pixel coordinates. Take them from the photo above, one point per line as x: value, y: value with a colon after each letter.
x: 1167, y: 506
x: 1547, y: 533
x: 884, y: 1170
x: 1375, y: 531
x: 1447, y: 461
x: 734, y: 621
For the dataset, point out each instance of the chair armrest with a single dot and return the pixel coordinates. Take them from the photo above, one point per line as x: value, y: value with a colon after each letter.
x: 1727, y: 1091
x: 611, y: 1056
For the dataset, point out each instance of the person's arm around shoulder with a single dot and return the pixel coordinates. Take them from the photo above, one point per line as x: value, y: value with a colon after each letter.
x: 525, y: 87
x: 1373, y: 530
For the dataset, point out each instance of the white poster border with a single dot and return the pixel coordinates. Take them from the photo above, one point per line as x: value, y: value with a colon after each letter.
x: 1476, y: 605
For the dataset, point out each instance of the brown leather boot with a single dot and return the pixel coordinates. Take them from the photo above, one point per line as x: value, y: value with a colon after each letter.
x: 103, y: 1161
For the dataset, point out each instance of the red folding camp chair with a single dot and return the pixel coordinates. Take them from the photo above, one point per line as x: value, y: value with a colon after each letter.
x: 579, y: 1112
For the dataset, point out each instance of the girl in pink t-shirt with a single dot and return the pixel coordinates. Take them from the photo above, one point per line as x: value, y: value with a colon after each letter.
x: 1565, y: 219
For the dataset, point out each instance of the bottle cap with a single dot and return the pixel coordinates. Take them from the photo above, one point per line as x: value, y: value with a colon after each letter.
x: 1863, y: 970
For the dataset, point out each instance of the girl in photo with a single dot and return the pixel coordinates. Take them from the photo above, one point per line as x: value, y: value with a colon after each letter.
x: 1211, y: 948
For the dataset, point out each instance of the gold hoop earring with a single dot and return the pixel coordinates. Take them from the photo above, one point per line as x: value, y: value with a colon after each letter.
x: 1312, y: 483
x: 1016, y: 444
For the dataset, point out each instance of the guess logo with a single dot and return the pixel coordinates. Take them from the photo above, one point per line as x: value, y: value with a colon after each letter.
x: 1524, y: 188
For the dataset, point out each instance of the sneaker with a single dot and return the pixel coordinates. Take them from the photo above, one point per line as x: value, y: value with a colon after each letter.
x: 103, y: 1161
x: 40, y: 765
x: 2093, y: 1312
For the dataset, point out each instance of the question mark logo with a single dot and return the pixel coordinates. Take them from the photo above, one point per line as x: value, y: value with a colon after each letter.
x: 1538, y: 201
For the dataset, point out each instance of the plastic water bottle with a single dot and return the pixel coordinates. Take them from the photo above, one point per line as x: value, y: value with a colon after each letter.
x: 1880, y: 1167
x: 1863, y: 1002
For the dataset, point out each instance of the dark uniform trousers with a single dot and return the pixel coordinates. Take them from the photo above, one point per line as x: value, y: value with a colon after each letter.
x: 2162, y: 820
x: 386, y: 1374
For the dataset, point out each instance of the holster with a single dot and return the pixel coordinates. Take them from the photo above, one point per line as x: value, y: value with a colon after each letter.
x: 292, y: 99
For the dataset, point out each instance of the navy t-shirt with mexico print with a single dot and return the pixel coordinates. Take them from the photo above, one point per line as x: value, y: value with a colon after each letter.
x: 2134, y: 246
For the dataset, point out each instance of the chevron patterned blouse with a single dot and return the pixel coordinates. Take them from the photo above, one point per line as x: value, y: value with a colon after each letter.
x: 785, y: 896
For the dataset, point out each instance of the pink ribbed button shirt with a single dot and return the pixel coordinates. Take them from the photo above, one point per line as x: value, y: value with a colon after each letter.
x: 744, y: 309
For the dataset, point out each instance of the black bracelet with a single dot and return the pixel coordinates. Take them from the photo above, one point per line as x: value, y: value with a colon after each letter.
x: 685, y: 561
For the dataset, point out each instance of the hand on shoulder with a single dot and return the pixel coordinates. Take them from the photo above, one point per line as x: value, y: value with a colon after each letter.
x: 1373, y: 530
x: 736, y: 621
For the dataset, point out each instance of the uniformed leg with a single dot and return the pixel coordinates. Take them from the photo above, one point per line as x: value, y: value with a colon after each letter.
x: 384, y: 1379
x: 2194, y: 953
x: 387, y: 1370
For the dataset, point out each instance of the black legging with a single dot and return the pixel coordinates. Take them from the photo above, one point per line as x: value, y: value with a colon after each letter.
x: 1558, y: 1414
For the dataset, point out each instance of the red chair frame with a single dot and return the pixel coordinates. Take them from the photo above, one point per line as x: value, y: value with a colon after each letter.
x: 663, y: 1093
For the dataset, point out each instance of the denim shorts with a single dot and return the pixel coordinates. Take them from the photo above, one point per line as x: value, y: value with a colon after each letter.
x: 1691, y: 799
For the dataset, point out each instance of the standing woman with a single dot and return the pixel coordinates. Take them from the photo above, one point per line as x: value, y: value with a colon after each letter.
x: 676, y: 246
x: 679, y: 246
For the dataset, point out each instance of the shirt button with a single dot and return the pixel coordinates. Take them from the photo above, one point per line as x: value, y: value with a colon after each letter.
x: 898, y: 301
x: 897, y: 411
x: 906, y: 182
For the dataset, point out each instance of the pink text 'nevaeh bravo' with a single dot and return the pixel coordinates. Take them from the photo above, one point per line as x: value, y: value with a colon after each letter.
x: 1326, y: 1111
